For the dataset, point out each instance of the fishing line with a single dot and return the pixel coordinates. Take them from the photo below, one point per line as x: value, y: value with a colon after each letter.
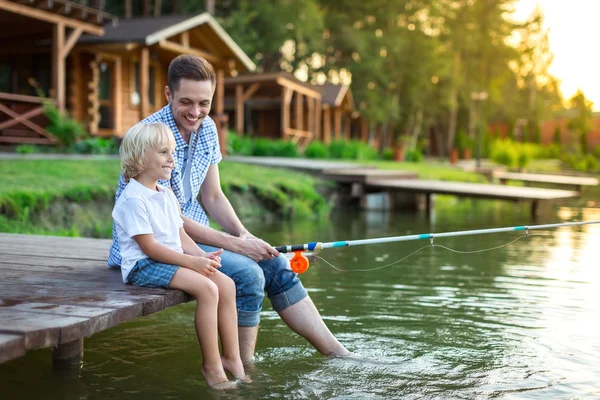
x: 432, y: 245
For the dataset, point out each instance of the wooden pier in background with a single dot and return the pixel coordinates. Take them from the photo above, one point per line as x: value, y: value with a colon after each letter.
x: 55, y: 291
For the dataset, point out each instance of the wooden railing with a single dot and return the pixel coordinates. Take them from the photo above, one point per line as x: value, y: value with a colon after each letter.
x: 22, y: 120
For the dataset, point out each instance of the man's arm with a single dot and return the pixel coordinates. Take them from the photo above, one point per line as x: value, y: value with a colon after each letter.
x: 238, y: 239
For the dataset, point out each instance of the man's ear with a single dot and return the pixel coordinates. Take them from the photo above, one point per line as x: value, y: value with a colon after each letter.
x: 168, y: 94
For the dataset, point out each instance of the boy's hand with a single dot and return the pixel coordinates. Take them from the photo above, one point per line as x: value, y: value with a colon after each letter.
x: 214, y: 255
x: 204, y: 265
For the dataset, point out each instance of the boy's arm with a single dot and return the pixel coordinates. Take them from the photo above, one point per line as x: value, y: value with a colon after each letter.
x: 163, y: 254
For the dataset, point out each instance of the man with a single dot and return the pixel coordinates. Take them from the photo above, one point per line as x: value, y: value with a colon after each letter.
x: 254, y: 265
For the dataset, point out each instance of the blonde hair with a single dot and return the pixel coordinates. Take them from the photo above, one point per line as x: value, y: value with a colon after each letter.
x: 137, y: 141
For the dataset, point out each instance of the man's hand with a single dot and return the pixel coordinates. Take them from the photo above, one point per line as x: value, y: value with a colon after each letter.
x: 257, y: 249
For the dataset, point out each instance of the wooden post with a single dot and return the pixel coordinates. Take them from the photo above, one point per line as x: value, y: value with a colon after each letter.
x: 286, y: 99
x: 311, y: 116
x: 144, y: 82
x: 118, y: 96
x: 58, y: 64
x: 220, y: 110
x: 128, y: 8
x: 347, y: 127
x: 239, y: 109
x: 364, y: 130
x: 318, y: 110
x: 327, y: 126
x: 299, y: 111
x: 337, y: 122
x: 68, y: 354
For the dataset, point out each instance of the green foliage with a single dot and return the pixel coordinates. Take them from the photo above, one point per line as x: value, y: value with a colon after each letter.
x: 240, y: 145
x: 352, y: 150
x: 388, y: 154
x: 316, y: 149
x: 274, y: 148
x: 25, y: 149
x: 581, y: 123
x: 513, y: 154
x: 552, y: 151
x: 96, y: 145
x: 413, y: 155
x: 581, y: 162
x: 463, y: 141
x: 556, y: 137
x: 66, y: 130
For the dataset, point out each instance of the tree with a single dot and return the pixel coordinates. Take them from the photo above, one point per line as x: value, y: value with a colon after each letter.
x: 581, y: 123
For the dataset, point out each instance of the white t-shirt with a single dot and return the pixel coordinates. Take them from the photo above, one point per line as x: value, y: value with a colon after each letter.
x: 139, y: 211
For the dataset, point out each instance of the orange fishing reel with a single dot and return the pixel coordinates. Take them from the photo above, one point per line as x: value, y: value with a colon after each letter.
x: 299, y: 262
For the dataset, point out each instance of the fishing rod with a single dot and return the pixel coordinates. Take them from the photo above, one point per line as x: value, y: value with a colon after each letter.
x: 299, y: 263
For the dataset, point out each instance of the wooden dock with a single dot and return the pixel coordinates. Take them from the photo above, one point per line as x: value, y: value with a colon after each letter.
x: 476, y: 190
x: 577, y: 182
x: 55, y: 291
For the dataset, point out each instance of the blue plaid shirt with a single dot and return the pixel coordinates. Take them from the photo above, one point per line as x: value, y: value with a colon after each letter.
x: 204, y: 151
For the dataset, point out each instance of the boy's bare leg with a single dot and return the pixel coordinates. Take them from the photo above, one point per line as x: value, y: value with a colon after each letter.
x: 304, y: 319
x: 207, y: 296
x: 227, y: 317
x: 247, y: 340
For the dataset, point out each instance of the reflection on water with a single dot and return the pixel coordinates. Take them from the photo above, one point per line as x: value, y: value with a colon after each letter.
x: 517, y: 322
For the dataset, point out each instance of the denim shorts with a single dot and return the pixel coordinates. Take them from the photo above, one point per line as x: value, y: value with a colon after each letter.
x: 252, y: 279
x: 150, y: 273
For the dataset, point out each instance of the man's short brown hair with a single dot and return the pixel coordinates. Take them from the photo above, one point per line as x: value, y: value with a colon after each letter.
x: 187, y: 66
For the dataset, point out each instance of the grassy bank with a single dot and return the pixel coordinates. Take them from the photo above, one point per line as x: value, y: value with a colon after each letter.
x: 75, y: 197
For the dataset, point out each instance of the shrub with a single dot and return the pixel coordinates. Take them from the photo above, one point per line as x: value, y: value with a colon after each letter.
x: 275, y: 148
x: 316, y: 150
x: 96, y: 145
x: 413, y: 155
x: 25, y: 149
x: 239, y: 145
x: 388, y: 154
x: 66, y: 130
x: 352, y: 150
x: 556, y: 138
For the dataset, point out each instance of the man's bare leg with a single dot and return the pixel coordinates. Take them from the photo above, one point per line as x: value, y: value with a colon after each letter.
x: 247, y: 339
x: 304, y: 319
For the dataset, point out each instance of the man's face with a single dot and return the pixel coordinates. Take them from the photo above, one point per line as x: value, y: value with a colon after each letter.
x: 190, y: 104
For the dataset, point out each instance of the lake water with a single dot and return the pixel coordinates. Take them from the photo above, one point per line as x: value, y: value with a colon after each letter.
x: 517, y: 322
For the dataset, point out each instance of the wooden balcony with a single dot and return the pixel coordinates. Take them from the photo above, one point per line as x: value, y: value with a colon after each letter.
x: 22, y: 120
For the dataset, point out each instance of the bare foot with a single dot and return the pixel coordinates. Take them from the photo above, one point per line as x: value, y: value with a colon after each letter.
x: 216, y: 378
x: 235, y: 368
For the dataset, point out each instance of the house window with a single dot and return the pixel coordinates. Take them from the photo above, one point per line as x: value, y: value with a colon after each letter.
x: 105, y: 89
x: 135, y: 95
x: 5, y: 76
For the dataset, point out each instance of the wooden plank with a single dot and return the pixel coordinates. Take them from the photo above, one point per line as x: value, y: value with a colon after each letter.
x: 45, y: 330
x: 239, y: 109
x: 472, y: 189
x: 546, y: 178
x: 179, y: 49
x: 11, y: 346
x: 299, y: 112
x: 144, y: 81
x: 361, y: 175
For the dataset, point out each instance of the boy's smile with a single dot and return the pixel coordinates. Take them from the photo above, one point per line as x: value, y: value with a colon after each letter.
x: 159, y: 165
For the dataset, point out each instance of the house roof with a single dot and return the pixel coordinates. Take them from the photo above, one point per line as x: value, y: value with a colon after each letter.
x: 151, y: 30
x: 16, y: 15
x: 279, y: 78
x: 333, y: 95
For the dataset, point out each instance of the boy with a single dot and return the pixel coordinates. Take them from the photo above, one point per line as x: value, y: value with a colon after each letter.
x: 157, y: 252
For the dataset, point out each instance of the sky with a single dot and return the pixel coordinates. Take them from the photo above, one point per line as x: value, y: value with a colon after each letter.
x: 573, y: 34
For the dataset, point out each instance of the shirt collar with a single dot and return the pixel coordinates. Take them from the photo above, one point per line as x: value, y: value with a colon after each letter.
x: 143, y: 191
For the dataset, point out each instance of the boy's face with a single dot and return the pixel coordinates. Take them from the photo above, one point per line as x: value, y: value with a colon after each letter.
x: 190, y: 104
x: 159, y: 163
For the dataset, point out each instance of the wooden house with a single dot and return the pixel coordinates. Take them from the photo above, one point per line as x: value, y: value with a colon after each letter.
x: 340, y: 118
x: 36, y: 39
x: 274, y: 105
x: 119, y: 78
x: 114, y: 75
